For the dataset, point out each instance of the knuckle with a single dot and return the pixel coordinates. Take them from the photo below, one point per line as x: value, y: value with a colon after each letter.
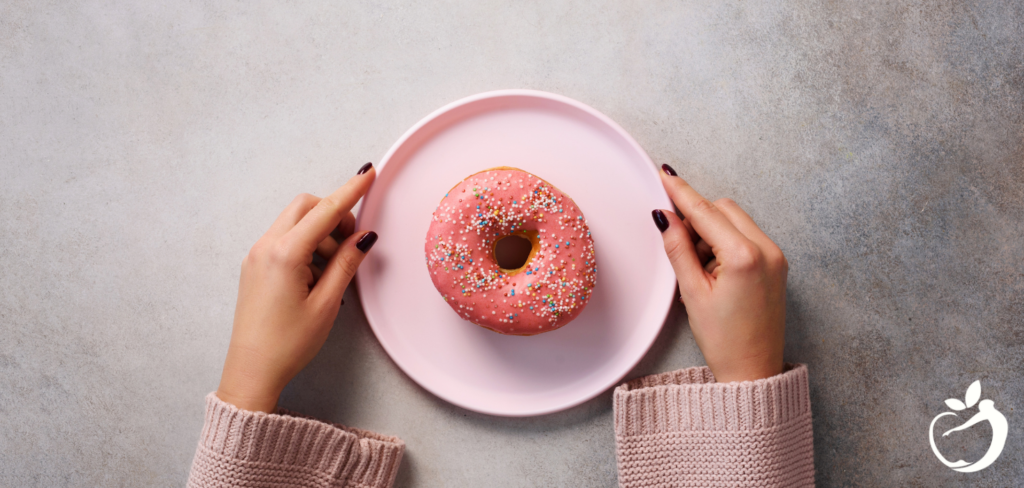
x: 704, y: 206
x: 747, y: 256
x: 281, y: 253
x: 348, y: 264
x: 674, y: 249
x: 305, y: 199
x: 331, y: 203
x: 778, y: 261
x: 256, y: 253
x: 726, y: 202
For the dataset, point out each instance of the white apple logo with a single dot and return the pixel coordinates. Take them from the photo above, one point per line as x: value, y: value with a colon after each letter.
x: 986, y: 411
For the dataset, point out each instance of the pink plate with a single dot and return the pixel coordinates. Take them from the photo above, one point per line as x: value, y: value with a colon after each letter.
x: 590, y: 158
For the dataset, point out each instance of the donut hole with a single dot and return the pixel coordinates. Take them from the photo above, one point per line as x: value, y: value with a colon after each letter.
x: 512, y: 251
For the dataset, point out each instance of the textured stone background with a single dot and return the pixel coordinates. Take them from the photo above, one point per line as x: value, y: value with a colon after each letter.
x: 144, y: 148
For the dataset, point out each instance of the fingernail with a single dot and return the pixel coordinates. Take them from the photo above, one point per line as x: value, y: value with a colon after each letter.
x: 366, y: 167
x: 669, y: 171
x: 366, y: 242
x: 660, y: 220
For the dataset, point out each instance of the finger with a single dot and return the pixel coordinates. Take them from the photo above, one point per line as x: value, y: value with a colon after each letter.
x: 316, y: 274
x: 706, y: 219
x: 681, y: 253
x: 293, y: 213
x: 710, y: 267
x: 345, y: 228
x: 704, y: 251
x: 341, y: 268
x: 318, y: 223
x: 307, y: 275
x: 329, y: 245
x: 694, y: 237
x: 742, y: 221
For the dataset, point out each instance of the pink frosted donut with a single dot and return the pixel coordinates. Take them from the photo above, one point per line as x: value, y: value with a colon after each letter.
x: 548, y: 290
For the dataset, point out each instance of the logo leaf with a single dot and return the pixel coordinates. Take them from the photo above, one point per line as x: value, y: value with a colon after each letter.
x: 955, y: 404
x: 973, y: 393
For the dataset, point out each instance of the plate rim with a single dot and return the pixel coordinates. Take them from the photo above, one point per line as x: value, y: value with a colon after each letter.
x: 402, y: 141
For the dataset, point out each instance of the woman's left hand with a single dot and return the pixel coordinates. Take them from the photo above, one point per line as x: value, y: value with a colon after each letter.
x: 287, y: 305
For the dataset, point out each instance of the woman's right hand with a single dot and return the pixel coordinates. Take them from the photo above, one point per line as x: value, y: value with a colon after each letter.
x: 732, y: 280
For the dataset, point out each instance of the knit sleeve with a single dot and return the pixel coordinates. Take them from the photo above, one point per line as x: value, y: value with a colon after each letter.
x: 682, y: 429
x: 255, y: 449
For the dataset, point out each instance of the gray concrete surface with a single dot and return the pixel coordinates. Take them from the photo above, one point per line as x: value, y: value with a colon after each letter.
x: 145, y: 147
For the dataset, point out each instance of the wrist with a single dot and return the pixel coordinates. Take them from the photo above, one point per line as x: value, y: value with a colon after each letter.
x: 248, y: 389
x: 746, y: 370
x: 250, y: 381
x: 254, y: 403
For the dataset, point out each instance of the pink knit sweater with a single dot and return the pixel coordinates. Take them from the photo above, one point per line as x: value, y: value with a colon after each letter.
x: 675, y: 429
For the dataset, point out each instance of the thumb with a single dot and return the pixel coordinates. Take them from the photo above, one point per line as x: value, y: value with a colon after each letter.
x: 681, y: 253
x: 342, y: 266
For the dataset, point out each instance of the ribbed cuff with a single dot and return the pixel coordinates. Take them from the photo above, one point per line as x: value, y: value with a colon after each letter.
x: 689, y: 399
x: 244, y: 448
x: 683, y: 429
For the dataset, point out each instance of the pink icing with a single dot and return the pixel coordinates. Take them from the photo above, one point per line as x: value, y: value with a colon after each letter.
x: 557, y: 281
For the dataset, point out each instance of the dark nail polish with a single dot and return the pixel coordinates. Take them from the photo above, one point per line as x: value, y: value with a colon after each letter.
x: 367, y: 241
x: 668, y: 170
x: 366, y: 167
x: 660, y: 220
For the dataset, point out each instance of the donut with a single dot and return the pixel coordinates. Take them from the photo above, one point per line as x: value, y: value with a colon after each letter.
x: 469, y: 232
